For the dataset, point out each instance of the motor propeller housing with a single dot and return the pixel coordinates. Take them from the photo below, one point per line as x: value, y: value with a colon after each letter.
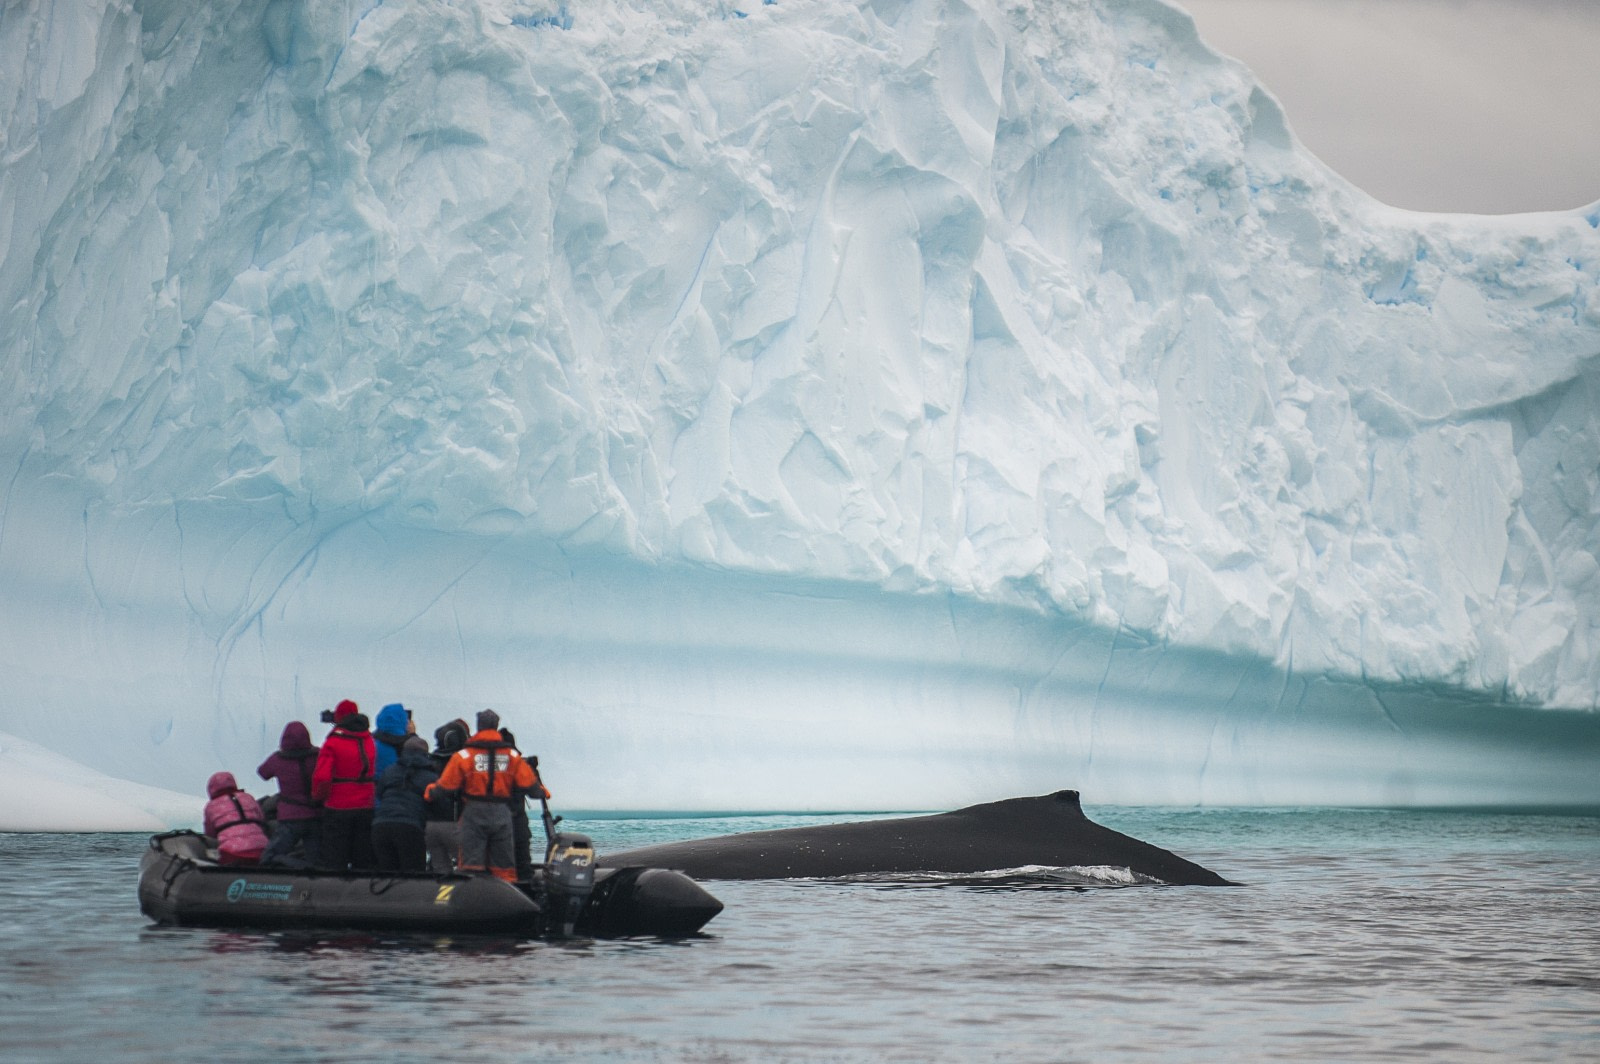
x: 568, y: 877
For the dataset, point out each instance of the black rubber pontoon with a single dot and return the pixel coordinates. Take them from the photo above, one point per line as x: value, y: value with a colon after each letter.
x: 181, y: 883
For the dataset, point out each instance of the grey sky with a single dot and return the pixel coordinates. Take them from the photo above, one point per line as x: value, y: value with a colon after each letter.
x: 1484, y: 106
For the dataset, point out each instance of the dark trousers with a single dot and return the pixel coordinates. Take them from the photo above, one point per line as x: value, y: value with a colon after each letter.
x: 399, y: 847
x: 291, y: 833
x: 522, y: 839
x: 346, y: 840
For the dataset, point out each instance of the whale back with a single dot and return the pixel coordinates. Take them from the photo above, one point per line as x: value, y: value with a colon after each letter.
x: 1048, y: 830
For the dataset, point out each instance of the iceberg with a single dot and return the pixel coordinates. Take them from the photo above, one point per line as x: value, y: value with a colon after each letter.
x: 858, y: 404
x: 41, y: 790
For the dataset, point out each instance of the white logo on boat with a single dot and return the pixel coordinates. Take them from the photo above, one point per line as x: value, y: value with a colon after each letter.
x: 244, y: 890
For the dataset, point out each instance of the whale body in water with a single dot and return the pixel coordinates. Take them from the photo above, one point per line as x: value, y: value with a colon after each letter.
x: 1049, y: 830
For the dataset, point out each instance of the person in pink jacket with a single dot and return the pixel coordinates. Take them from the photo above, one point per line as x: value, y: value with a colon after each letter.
x: 234, y: 819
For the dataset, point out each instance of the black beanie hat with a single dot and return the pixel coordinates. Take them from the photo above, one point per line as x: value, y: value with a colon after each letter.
x: 452, y: 736
x: 488, y: 720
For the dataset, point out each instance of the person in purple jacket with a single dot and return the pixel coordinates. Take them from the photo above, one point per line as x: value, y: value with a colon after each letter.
x: 299, y: 818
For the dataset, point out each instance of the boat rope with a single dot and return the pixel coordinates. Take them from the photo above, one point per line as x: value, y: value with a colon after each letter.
x: 176, y: 868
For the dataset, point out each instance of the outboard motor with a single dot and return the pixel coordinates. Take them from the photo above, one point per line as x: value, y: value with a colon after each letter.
x: 568, y: 878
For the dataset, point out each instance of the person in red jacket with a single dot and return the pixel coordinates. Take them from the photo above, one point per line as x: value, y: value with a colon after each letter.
x: 488, y: 775
x: 343, y: 783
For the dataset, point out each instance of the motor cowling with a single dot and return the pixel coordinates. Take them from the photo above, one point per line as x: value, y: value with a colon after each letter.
x: 568, y: 877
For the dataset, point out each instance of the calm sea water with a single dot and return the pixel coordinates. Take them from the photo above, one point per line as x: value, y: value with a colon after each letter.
x: 1358, y: 935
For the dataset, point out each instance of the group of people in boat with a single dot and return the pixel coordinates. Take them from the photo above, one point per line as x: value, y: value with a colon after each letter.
x: 376, y: 798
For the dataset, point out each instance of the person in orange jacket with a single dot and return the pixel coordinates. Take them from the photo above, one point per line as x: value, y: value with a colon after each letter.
x: 488, y: 775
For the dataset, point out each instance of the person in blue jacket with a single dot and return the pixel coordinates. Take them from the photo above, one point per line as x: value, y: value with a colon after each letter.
x: 390, y: 731
x: 398, y: 827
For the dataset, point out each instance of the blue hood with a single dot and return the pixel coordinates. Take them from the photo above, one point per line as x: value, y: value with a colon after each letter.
x: 392, y: 719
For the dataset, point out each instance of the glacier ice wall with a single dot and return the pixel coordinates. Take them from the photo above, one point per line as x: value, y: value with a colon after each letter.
x: 934, y: 399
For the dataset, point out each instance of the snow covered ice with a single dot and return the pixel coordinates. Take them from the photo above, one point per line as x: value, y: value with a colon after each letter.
x: 873, y: 405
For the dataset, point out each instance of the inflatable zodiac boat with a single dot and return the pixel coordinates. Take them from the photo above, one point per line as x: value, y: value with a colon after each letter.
x: 180, y: 882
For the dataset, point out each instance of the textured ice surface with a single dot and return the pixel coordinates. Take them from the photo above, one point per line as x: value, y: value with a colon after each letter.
x: 801, y: 405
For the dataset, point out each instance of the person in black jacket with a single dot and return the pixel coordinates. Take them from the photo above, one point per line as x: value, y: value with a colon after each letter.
x: 521, y: 827
x: 398, y: 827
x: 444, y: 834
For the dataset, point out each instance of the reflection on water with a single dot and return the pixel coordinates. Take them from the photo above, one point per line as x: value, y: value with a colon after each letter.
x: 1358, y: 935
